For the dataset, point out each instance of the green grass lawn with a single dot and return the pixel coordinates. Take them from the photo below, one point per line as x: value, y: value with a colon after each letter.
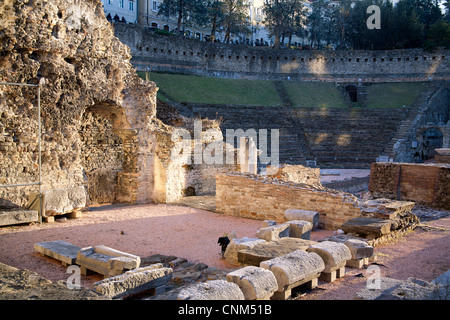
x: 393, y: 95
x: 196, y: 89
x: 314, y: 94
x: 187, y: 88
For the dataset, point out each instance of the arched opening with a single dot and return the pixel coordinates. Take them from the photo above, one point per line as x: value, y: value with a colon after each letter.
x: 352, y: 92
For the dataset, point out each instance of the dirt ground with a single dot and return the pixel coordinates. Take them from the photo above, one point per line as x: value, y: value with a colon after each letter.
x: 192, y: 233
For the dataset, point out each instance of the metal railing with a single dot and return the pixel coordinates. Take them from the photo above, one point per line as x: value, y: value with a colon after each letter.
x: 39, y: 183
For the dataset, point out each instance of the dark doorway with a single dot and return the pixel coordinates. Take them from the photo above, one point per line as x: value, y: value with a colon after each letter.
x: 352, y: 92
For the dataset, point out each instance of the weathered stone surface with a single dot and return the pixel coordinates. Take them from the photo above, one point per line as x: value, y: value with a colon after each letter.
x: 273, y: 232
x: 256, y: 283
x: 211, y: 290
x: 367, y: 227
x: 334, y: 255
x: 359, y: 249
x: 231, y: 253
x: 61, y: 201
x: 300, y: 229
x: 134, y: 281
x: 59, y: 250
x: 17, y: 216
x: 106, y: 261
x: 409, y: 289
x: 294, y: 268
x: 272, y: 249
x: 307, y: 215
x: 20, y: 284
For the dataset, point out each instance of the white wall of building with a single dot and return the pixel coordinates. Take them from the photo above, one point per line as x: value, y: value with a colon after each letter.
x: 122, y: 8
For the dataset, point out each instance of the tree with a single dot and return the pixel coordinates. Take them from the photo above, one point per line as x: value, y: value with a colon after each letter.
x: 284, y: 17
x: 235, y: 18
x: 186, y: 11
x: 215, y: 16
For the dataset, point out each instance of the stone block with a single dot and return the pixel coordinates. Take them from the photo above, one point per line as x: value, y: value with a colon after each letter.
x: 211, y: 290
x: 106, y: 261
x: 17, y: 216
x: 256, y: 283
x: 294, y: 269
x: 367, y: 227
x: 273, y: 232
x: 59, y: 250
x: 268, y: 223
x: 231, y: 253
x: 334, y: 255
x: 271, y: 249
x: 300, y: 229
x: 359, y: 248
x: 307, y: 215
x: 147, y: 279
x: 61, y: 201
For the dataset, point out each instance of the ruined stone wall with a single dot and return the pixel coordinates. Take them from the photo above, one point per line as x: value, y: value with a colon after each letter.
x: 427, y: 184
x: 99, y: 126
x: 262, y: 198
x: 179, y: 54
x: 297, y: 174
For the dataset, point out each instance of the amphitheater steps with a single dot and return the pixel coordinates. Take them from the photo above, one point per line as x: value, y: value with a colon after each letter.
x: 404, y: 128
x: 334, y: 137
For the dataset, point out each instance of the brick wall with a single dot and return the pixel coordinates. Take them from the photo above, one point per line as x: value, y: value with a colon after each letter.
x: 427, y: 184
x: 261, y: 198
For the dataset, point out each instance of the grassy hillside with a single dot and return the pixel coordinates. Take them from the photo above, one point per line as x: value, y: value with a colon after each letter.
x: 314, y: 94
x: 196, y: 89
x: 187, y: 88
x: 393, y: 95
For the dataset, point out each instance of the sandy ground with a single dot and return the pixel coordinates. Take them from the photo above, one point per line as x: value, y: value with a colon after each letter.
x: 192, y: 233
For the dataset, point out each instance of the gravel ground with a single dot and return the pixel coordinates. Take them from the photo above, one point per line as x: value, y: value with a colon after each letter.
x: 192, y: 233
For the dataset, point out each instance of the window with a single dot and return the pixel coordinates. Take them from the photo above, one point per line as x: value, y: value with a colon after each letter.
x: 110, y: 2
x: 155, y: 5
x: 131, y: 5
x: 121, y: 3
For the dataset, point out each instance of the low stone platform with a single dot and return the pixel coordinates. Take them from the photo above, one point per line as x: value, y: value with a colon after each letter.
x: 59, y: 250
x: 17, y: 216
x: 271, y: 249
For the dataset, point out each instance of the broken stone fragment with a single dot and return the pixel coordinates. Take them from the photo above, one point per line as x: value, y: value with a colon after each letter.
x: 307, y: 215
x: 211, y: 290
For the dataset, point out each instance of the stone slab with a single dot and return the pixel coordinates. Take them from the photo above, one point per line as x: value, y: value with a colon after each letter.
x: 59, y: 250
x: 231, y: 253
x: 272, y: 249
x: 300, y: 229
x: 106, y: 261
x: 134, y: 281
x: 367, y: 227
x: 15, y: 216
x: 307, y: 215
x: 211, y: 290
x: 256, y: 283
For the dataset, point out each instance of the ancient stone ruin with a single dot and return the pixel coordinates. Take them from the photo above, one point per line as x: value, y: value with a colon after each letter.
x: 101, y: 139
x: 80, y: 128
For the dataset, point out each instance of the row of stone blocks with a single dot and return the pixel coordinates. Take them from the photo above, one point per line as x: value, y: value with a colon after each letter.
x: 123, y: 277
x: 283, y: 258
x: 275, y: 278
